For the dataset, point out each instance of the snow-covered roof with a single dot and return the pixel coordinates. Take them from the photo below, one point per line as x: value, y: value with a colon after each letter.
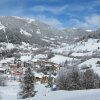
x: 58, y: 59
x: 40, y: 56
x: 6, y: 60
x: 39, y: 75
x: 10, y: 46
x: 3, y: 69
x: 75, y: 54
x: 25, y: 58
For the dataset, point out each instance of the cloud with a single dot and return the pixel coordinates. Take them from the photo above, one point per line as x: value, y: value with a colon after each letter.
x: 50, y: 21
x: 54, y: 10
x: 65, y: 8
x: 93, y: 20
x: 90, y: 22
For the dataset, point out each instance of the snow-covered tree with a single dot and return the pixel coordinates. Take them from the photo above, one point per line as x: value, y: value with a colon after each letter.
x: 50, y: 81
x: 69, y: 79
x: 27, y: 84
x: 75, y: 79
x: 91, y: 79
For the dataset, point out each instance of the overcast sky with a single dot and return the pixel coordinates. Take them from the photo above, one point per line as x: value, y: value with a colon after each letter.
x: 58, y: 13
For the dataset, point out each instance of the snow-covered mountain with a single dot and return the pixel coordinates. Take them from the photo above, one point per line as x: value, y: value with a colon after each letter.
x: 25, y: 31
x: 74, y: 34
x: 16, y: 30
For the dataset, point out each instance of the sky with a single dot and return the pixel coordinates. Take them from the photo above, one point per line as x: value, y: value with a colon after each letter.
x: 57, y: 13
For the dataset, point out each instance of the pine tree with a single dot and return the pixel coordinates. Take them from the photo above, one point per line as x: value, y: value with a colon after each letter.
x: 50, y: 81
x: 27, y: 84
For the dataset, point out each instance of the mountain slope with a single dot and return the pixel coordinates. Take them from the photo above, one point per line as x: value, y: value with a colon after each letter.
x: 27, y: 30
x: 74, y: 34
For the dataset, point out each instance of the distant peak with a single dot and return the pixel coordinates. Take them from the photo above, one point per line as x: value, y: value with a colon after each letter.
x: 88, y: 30
x: 29, y: 20
x: 74, y: 28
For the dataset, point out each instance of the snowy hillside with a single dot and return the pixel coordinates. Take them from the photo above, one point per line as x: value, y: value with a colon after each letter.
x: 92, y: 63
x: 18, y: 30
x: 59, y: 59
x: 87, y: 54
x: 83, y: 48
x: 88, y: 46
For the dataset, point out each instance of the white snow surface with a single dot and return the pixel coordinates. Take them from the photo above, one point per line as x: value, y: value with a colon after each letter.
x: 2, y: 27
x: 25, y: 33
x: 45, y: 40
x: 25, y: 58
x: 10, y: 92
x: 60, y: 59
x: 10, y: 46
x: 7, y: 60
x: 52, y: 39
x: 88, y: 30
x: 90, y: 45
x: 17, y: 17
x: 25, y: 44
x: 81, y: 54
x: 30, y: 20
x: 92, y: 62
x: 38, y: 31
x: 40, y: 56
x: 39, y: 75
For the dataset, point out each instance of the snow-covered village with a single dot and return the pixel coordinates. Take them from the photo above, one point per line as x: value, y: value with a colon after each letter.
x: 49, y: 50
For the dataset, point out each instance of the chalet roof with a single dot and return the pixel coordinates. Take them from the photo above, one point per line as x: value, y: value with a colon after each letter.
x: 46, y: 62
x: 7, y: 60
x: 3, y: 69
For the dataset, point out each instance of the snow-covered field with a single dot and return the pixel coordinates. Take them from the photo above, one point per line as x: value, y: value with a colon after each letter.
x: 92, y: 63
x: 60, y: 59
x: 10, y: 93
x: 90, y: 45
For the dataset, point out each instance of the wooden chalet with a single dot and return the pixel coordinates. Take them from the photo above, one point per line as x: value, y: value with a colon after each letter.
x: 17, y: 69
x: 47, y: 64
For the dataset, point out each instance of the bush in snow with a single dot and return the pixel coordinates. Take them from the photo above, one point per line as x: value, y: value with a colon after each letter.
x: 73, y: 79
x: 2, y: 80
x: 90, y: 79
x: 69, y: 79
x: 27, y: 85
